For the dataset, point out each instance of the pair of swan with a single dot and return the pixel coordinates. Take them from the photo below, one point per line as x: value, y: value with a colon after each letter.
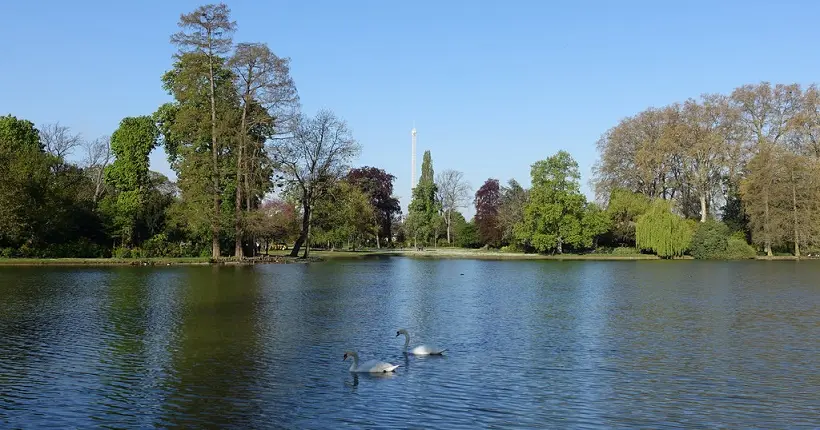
x: 376, y: 366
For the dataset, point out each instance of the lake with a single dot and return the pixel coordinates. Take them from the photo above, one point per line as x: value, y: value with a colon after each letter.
x: 652, y: 344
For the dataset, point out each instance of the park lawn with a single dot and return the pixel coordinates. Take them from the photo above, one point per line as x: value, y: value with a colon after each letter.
x: 103, y: 261
x: 464, y: 253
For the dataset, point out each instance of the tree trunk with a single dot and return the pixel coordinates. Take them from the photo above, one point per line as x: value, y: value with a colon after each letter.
x: 560, y: 245
x: 449, y: 221
x: 796, y: 220
x: 248, y: 191
x: 305, y: 226
x: 99, y: 182
x: 238, y: 206
x: 238, y: 215
x: 307, y: 236
x: 378, y: 242
x: 215, y: 251
x: 703, y: 208
x: 766, y: 227
x: 215, y: 158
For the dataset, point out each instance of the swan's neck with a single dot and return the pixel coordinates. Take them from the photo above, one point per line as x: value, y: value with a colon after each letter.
x: 406, y: 340
x: 355, y: 364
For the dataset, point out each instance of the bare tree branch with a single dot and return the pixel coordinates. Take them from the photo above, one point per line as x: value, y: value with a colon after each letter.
x: 315, y: 156
x: 58, y: 140
x: 453, y: 193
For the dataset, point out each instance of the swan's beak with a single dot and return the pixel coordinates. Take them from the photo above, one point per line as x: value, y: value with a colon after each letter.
x: 345, y: 357
x: 398, y: 334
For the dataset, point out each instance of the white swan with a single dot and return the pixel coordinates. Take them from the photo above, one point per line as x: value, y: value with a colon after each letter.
x: 369, y: 366
x: 421, y: 349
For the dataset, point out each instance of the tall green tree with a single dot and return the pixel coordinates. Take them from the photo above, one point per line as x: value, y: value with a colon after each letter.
x: 424, y: 209
x: 555, y: 214
x: 269, y: 101
x: 186, y: 135
x: 128, y: 175
x: 206, y: 33
x: 24, y: 180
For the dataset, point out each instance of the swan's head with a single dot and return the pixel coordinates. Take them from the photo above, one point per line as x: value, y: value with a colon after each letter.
x: 348, y: 354
x: 401, y: 331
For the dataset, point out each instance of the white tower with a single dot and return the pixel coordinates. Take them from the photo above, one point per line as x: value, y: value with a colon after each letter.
x: 413, y: 160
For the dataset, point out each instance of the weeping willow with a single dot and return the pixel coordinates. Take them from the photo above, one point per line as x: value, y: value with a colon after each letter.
x: 662, y: 232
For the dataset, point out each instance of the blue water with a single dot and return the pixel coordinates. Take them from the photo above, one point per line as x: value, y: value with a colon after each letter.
x: 546, y: 344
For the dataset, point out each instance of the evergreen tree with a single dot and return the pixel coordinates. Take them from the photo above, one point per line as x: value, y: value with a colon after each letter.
x: 424, y: 210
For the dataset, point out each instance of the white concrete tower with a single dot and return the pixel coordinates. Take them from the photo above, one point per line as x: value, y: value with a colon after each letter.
x: 413, y: 160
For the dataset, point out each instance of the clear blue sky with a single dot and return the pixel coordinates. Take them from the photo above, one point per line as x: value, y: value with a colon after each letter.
x: 491, y: 86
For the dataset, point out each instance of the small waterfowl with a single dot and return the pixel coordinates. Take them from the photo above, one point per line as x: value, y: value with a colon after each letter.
x: 419, y: 350
x: 369, y: 366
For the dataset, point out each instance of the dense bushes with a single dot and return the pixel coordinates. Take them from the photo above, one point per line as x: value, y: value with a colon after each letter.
x: 81, y: 248
x: 712, y: 241
x: 738, y: 249
x: 159, y: 246
x: 624, y: 250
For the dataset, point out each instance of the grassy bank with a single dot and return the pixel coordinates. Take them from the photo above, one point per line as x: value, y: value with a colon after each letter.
x: 498, y: 255
x: 469, y: 253
x: 315, y: 256
x: 102, y: 261
x: 185, y: 261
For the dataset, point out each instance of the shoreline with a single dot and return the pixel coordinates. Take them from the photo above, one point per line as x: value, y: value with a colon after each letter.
x: 322, y: 255
x: 158, y: 261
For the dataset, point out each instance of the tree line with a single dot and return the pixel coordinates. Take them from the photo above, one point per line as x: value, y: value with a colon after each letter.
x: 251, y: 167
x: 723, y: 176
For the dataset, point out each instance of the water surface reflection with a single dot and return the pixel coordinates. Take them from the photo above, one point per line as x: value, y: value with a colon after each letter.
x: 530, y: 344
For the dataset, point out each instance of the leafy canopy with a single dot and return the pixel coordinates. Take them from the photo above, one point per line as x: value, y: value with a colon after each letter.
x: 663, y: 232
x: 557, y: 213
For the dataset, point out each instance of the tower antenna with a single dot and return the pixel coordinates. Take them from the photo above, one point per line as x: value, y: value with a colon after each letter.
x: 413, y: 159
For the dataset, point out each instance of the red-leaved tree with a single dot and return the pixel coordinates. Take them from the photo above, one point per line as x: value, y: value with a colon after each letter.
x: 487, y: 202
x: 378, y: 185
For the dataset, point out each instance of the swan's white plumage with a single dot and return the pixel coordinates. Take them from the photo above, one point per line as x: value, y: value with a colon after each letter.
x: 369, y: 366
x: 421, y: 349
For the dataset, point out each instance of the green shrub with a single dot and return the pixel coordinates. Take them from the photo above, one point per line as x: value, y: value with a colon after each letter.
x: 602, y: 250
x: 710, y: 240
x: 27, y: 251
x: 738, y: 249
x: 121, y: 252
x: 625, y: 250
x: 156, y: 246
x: 511, y: 248
x: 82, y: 248
x: 8, y: 253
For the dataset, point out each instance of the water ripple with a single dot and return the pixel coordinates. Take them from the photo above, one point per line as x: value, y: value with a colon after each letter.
x: 531, y: 345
